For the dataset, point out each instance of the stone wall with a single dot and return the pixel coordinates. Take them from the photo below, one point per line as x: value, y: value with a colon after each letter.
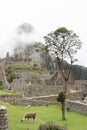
x: 40, y: 100
x: 34, y: 85
x: 75, y: 96
x: 3, y: 118
x: 80, y: 85
x: 31, y: 83
x: 77, y: 106
x: 39, y: 90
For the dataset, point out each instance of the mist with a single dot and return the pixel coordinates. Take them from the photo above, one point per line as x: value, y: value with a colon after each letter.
x: 24, y: 33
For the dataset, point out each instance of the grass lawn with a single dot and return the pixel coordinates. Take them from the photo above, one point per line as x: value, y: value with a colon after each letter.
x: 74, y: 120
x: 8, y: 92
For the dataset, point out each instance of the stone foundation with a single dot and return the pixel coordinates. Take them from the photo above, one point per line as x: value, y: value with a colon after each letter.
x: 3, y: 118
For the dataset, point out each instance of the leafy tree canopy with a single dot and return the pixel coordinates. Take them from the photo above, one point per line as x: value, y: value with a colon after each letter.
x: 63, y: 43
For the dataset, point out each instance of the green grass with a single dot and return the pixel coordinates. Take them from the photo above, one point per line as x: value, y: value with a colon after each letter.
x: 75, y: 121
x: 27, y: 67
x: 8, y: 92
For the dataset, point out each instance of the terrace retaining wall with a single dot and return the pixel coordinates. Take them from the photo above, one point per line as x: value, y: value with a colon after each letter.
x: 77, y: 106
x: 40, y: 100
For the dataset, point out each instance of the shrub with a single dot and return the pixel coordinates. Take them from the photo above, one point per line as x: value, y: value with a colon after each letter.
x: 0, y: 83
x: 50, y: 126
x: 10, y: 73
x: 61, y: 97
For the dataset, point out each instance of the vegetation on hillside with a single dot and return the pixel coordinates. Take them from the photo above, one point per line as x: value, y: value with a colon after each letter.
x: 10, y: 73
x: 79, y: 72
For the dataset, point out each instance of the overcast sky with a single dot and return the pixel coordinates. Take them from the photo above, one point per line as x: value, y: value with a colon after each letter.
x: 45, y: 16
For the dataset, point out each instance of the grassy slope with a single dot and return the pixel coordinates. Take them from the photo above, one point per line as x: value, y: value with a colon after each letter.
x: 8, y: 92
x: 74, y: 120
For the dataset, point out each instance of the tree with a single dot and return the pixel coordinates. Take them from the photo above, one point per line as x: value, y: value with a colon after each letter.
x: 10, y: 74
x: 61, y: 98
x: 63, y: 44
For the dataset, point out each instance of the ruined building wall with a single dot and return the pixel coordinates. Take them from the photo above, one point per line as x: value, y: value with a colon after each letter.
x: 3, y: 118
x: 36, y: 84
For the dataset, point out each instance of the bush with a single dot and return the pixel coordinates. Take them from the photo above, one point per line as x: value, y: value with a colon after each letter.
x: 0, y: 83
x: 61, y: 97
x: 10, y: 73
x: 1, y: 87
x: 50, y: 126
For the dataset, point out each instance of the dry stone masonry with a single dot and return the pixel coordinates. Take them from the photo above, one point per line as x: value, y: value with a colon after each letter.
x: 3, y: 118
x: 77, y: 106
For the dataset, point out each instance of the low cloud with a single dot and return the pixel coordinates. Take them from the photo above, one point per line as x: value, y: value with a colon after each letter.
x: 25, y: 28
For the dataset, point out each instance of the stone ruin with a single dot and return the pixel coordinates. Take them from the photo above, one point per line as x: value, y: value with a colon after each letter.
x: 3, y: 118
x: 51, y: 80
x: 17, y: 58
x: 38, y: 83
